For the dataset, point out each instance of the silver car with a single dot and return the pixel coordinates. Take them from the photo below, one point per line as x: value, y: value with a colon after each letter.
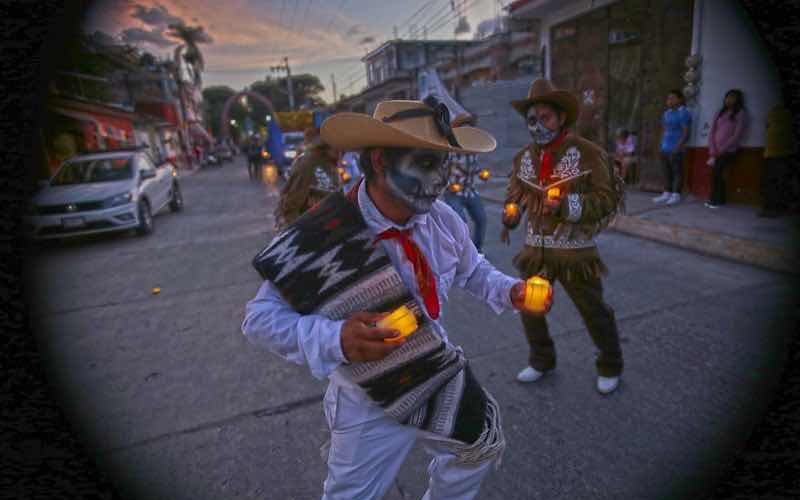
x: 103, y: 192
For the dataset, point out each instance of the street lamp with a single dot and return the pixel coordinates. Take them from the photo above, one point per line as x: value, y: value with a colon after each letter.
x: 233, y: 122
x: 269, y: 118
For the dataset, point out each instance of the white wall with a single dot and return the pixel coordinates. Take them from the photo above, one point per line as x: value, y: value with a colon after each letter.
x: 733, y: 57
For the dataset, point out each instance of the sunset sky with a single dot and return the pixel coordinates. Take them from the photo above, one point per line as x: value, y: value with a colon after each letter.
x: 321, y: 37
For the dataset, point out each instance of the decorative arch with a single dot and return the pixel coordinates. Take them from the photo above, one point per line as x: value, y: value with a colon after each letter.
x: 225, y: 125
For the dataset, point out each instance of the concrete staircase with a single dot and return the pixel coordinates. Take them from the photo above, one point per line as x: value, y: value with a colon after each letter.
x: 491, y: 103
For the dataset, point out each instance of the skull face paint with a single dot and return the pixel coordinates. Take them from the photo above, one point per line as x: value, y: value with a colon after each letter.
x: 416, y: 177
x: 539, y: 132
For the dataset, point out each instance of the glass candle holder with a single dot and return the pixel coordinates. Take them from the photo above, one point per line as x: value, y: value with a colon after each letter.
x: 346, y: 177
x: 455, y: 187
x: 553, y: 193
x: 402, y: 320
x: 538, y: 292
x: 270, y: 174
x: 511, y: 210
x: 484, y: 174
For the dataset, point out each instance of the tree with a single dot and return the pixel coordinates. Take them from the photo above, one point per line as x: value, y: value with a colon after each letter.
x: 307, y: 89
x: 214, y: 99
x: 191, y: 36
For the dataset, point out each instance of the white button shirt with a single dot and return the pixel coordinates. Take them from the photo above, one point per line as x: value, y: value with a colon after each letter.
x: 313, y: 340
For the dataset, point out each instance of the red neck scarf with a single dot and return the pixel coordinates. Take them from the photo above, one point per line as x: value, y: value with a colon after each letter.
x: 546, y: 158
x: 422, y: 271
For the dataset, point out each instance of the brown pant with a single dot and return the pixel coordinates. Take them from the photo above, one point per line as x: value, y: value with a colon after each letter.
x: 587, y: 295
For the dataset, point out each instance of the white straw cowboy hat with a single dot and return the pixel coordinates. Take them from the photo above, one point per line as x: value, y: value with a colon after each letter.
x: 542, y: 90
x: 405, y: 124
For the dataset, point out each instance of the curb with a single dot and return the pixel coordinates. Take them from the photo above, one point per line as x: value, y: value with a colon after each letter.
x: 704, y: 242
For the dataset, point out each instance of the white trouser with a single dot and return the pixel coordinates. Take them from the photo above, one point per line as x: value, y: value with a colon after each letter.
x: 368, y: 448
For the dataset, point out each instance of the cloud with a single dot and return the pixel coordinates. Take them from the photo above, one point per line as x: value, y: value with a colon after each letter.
x: 139, y: 35
x: 155, y: 16
x: 357, y: 29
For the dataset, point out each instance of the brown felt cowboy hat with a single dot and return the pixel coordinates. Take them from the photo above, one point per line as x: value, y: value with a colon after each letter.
x: 542, y: 90
x: 405, y: 124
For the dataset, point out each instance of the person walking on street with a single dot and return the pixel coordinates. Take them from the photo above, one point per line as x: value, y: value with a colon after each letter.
x: 462, y: 194
x: 569, y: 192
x: 727, y: 130
x: 253, y: 151
x: 675, y: 123
x: 388, y: 244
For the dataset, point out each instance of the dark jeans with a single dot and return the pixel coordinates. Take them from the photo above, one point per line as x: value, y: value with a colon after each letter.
x: 672, y: 165
x: 254, y: 168
x: 587, y: 295
x: 473, y: 206
x: 718, y: 179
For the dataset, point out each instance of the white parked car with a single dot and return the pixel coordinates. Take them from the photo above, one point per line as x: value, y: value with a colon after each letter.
x: 102, y: 192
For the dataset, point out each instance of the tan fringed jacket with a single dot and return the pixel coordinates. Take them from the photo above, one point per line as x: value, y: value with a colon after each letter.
x: 313, y: 177
x: 561, y: 245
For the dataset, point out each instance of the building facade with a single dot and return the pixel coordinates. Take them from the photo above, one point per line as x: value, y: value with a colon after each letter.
x: 622, y: 57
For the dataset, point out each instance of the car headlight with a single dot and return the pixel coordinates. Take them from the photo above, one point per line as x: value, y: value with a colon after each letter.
x: 291, y: 154
x: 120, y: 199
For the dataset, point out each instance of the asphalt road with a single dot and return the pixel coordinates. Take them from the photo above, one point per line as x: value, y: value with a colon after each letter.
x: 174, y: 403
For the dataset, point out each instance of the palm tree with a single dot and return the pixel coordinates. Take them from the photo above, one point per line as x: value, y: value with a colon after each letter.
x: 191, y: 36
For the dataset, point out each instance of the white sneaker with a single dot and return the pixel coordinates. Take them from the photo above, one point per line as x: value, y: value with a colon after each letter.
x: 674, y: 198
x: 607, y: 385
x: 662, y: 198
x: 529, y: 374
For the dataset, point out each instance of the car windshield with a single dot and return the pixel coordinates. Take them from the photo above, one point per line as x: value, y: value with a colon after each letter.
x: 292, y: 140
x: 100, y: 170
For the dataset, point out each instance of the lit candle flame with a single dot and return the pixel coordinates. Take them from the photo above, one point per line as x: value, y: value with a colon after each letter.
x: 538, y: 293
x: 553, y: 193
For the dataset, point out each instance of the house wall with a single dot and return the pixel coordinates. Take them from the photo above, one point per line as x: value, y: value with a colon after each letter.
x: 733, y: 56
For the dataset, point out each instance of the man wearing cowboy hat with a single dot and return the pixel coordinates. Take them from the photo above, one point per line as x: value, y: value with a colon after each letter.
x: 569, y: 194
x: 313, y: 176
x: 331, y: 275
x: 462, y: 194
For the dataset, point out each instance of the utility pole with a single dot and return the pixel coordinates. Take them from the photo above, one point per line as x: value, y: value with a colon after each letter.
x: 285, y: 67
x: 333, y: 86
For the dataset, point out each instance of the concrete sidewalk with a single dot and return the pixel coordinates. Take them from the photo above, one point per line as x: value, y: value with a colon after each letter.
x: 732, y: 232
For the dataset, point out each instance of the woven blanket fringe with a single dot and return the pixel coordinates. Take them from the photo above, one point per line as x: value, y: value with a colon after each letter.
x: 325, y: 450
x: 490, y: 444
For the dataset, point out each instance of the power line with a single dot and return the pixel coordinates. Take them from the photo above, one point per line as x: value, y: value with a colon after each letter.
x: 294, y: 16
x: 304, y: 21
x: 407, y: 22
x: 453, y: 13
x: 341, y: 7
x: 466, y: 5
x: 283, y: 8
x: 435, y: 15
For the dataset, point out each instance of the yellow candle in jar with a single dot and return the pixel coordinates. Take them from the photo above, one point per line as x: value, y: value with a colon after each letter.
x: 402, y: 320
x: 538, y: 292
x: 265, y: 154
x: 340, y: 170
x: 270, y: 174
x: 484, y: 174
x: 346, y: 177
x: 511, y: 210
x: 553, y: 193
x: 455, y: 187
